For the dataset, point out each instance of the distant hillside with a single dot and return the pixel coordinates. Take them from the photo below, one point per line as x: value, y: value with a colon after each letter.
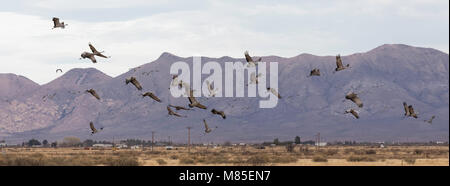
x: 384, y: 78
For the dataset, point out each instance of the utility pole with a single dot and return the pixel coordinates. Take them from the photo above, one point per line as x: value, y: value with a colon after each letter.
x: 318, y: 140
x: 189, y: 139
x: 169, y: 141
x: 153, y: 132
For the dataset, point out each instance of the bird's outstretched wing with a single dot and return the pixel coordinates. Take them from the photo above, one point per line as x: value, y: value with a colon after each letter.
x: 93, y: 49
x: 247, y: 57
x: 153, y: 96
x: 94, y: 130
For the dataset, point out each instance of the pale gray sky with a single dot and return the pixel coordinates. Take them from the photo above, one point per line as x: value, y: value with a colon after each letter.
x: 135, y: 32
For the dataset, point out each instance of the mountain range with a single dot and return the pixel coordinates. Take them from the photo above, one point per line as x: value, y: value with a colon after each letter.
x: 383, y: 77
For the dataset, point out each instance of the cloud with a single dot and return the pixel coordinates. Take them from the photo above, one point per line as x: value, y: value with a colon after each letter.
x: 210, y: 28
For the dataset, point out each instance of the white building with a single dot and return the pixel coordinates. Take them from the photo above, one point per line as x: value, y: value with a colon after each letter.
x: 99, y: 145
x: 321, y: 144
x: 135, y: 147
x: 122, y: 146
x: 3, y: 145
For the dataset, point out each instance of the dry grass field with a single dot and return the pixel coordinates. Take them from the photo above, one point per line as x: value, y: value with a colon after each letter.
x: 223, y: 156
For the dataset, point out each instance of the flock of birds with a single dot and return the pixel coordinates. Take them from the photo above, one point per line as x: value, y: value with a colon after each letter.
x: 409, y: 110
x: 193, y: 102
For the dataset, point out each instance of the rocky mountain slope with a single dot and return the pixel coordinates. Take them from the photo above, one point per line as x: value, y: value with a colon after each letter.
x: 384, y: 78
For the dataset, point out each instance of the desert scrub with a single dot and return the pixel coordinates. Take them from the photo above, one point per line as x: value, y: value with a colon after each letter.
x: 122, y: 161
x: 410, y: 161
x: 283, y: 159
x: 186, y: 160
x: 319, y: 159
x: 360, y: 158
x: 161, y: 162
x: 371, y: 152
x: 258, y: 160
x: 173, y: 157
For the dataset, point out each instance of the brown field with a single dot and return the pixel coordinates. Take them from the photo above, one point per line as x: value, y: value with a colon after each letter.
x: 223, y: 156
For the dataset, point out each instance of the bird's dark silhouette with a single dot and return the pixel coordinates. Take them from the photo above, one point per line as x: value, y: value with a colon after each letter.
x: 134, y: 81
x: 354, y: 97
x: 151, y: 95
x: 93, y: 93
x: 92, y: 55
x: 221, y: 113
x: 57, y: 24
x: 194, y: 102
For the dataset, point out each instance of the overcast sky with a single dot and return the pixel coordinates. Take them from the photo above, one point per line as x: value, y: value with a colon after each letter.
x: 135, y: 32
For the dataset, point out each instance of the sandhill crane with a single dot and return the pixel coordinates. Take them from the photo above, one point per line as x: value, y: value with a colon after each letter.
x: 406, y: 109
x: 353, y: 112
x: 250, y: 61
x: 151, y: 95
x: 221, y: 113
x: 354, y: 97
x: 254, y: 78
x: 314, y: 72
x: 172, y: 113
x: 92, y: 55
x: 274, y: 92
x: 57, y: 24
x: 211, y: 90
x: 179, y: 107
x: 134, y: 81
x: 411, y: 112
x: 194, y: 102
x: 58, y: 70
x: 339, y: 65
x: 175, y: 81
x: 94, y: 130
x: 430, y: 121
x: 187, y: 87
x: 93, y: 93
x: 207, y: 129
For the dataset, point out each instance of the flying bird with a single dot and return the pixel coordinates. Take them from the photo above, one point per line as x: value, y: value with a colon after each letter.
x: 151, y: 95
x: 187, y: 87
x: 207, y: 129
x: 93, y: 93
x: 411, y: 112
x: 430, y: 121
x: 353, y: 112
x: 211, y: 90
x: 274, y: 92
x: 94, y: 130
x: 339, y: 64
x: 134, y: 81
x: 221, y: 113
x: 58, y: 70
x: 406, y: 109
x: 172, y: 113
x: 179, y: 107
x: 354, y: 97
x: 254, y: 78
x: 250, y: 61
x: 314, y: 72
x: 92, y: 55
x: 194, y: 102
x: 57, y: 24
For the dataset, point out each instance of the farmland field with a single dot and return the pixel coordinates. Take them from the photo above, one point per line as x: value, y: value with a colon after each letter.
x: 225, y: 156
